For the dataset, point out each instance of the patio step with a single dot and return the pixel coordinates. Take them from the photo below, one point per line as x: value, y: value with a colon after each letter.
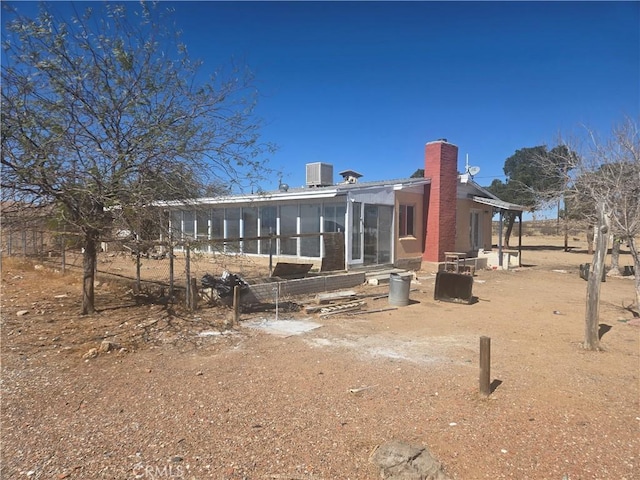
x: 382, y: 277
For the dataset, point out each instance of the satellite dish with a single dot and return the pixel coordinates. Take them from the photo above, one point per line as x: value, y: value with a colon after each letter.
x: 473, y: 170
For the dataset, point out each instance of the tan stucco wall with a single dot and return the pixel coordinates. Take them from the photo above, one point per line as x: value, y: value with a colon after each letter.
x: 463, y: 224
x: 409, y: 247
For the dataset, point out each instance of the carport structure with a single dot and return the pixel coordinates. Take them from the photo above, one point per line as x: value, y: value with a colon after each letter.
x: 502, y: 208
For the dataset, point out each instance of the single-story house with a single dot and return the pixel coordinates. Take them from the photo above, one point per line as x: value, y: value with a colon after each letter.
x: 383, y: 222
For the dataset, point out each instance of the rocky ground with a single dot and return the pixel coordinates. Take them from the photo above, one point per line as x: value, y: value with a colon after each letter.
x: 172, y: 394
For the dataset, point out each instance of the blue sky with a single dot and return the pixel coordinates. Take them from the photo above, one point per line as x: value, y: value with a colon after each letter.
x: 364, y: 85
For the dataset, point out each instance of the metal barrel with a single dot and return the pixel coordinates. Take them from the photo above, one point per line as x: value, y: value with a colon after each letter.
x: 399, y: 289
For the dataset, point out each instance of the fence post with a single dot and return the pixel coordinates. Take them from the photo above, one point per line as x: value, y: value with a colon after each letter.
x: 193, y: 290
x: 270, y: 251
x: 187, y: 271
x: 64, y: 255
x: 138, y: 286
x: 236, y: 305
x: 170, y: 269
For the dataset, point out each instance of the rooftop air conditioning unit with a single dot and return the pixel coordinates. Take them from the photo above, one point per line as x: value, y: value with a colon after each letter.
x: 319, y: 174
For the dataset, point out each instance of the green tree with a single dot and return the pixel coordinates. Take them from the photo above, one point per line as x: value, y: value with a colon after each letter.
x: 534, y: 176
x: 103, y: 115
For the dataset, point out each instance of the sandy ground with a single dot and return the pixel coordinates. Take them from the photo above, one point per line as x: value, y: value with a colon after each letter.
x: 180, y: 396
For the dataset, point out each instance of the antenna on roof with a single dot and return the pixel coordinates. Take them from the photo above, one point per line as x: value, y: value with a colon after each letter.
x: 472, y: 171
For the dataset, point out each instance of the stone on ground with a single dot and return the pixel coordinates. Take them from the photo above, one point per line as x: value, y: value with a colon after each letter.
x: 402, y: 461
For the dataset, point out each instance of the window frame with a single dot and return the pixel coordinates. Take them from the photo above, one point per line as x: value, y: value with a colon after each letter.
x: 406, y: 220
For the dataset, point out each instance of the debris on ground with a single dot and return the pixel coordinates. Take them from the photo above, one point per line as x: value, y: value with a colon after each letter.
x: 376, y: 310
x: 225, y: 284
x: 333, y: 296
x: 361, y: 389
x: 342, y: 307
x: 287, y: 307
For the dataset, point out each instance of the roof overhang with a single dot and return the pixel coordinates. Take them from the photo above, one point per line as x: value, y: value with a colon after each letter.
x: 500, y: 204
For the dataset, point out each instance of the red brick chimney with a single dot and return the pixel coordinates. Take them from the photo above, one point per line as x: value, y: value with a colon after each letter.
x: 441, y: 166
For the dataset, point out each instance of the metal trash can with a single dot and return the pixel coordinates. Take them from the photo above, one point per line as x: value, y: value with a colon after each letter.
x: 399, y: 286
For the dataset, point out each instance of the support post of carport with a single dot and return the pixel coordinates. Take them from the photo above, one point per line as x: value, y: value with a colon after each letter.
x: 520, y: 238
x: 500, y: 224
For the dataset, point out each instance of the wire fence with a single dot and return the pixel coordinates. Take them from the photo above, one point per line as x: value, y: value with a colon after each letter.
x: 26, y: 242
x: 165, y: 268
x: 170, y: 270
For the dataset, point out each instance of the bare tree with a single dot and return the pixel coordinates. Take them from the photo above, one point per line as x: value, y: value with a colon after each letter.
x: 102, y: 116
x: 592, y: 313
x: 605, y: 186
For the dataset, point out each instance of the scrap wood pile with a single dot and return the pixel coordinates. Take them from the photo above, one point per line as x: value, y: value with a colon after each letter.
x: 347, y: 302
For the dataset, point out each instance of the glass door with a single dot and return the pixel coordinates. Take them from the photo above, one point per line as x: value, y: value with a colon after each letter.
x: 370, y: 234
x: 385, y: 233
x: 378, y: 222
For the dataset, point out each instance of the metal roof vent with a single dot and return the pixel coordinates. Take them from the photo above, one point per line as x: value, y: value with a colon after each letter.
x: 283, y: 187
x: 350, y: 176
x: 319, y: 174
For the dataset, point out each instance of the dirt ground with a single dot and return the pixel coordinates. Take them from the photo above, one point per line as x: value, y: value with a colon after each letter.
x: 180, y: 396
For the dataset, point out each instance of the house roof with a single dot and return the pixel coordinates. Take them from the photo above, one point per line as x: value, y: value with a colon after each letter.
x: 302, y: 193
x: 473, y: 191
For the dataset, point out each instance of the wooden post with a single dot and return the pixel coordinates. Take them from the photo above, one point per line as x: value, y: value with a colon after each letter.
x: 187, y: 271
x: 270, y: 252
x: 138, y: 286
x: 170, y: 270
x: 64, y: 255
x: 194, y: 294
x: 485, y: 366
x: 500, y: 226
x: 520, y: 239
x: 236, y: 304
x: 591, y: 335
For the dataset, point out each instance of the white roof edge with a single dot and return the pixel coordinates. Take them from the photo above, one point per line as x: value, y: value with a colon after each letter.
x: 395, y: 184
x: 232, y: 199
x: 501, y: 204
x: 309, y: 193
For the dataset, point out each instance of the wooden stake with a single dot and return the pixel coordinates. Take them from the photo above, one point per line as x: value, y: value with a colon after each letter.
x: 236, y: 304
x: 485, y: 366
x: 193, y: 291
